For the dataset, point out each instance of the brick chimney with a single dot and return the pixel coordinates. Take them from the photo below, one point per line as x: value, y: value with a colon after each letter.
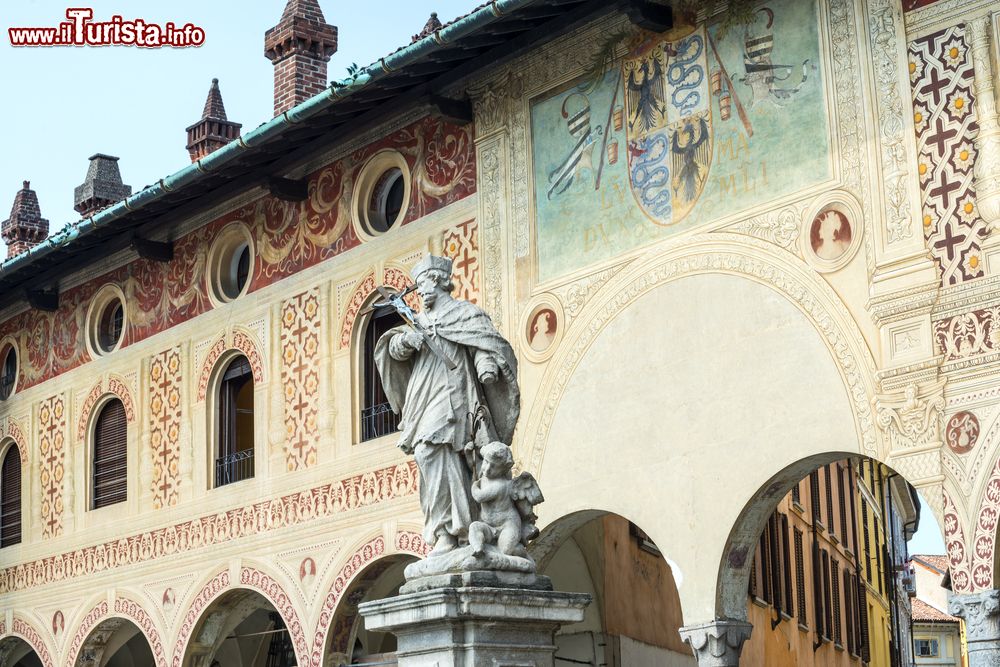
x: 214, y: 130
x: 299, y: 46
x: 101, y: 188
x: 25, y: 228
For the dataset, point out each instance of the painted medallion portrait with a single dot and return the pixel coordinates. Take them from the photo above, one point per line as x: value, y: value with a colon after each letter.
x: 542, y: 329
x: 830, y: 235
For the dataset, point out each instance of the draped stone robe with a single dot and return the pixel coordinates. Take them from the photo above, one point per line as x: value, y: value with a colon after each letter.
x: 438, y: 405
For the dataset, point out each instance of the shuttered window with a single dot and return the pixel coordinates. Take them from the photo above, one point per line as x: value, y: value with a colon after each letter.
x: 838, y: 637
x: 10, y: 498
x: 110, y: 455
x: 830, y: 521
x: 800, y: 579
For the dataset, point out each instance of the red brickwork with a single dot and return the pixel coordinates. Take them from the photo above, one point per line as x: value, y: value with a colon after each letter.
x: 25, y: 228
x: 299, y: 46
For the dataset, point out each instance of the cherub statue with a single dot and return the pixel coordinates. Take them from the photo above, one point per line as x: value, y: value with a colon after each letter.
x: 506, y: 517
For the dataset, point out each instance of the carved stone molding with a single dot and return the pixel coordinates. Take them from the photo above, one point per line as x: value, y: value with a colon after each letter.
x: 981, y: 613
x: 896, y: 154
x: 987, y: 165
x: 717, y: 643
x: 912, y: 418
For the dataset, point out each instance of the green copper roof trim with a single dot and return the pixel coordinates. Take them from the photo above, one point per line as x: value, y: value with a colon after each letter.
x: 462, y: 27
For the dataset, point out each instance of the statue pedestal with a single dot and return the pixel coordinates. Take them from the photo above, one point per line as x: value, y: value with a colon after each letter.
x: 475, y: 625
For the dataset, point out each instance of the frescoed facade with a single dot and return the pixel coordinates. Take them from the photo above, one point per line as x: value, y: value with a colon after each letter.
x: 731, y: 248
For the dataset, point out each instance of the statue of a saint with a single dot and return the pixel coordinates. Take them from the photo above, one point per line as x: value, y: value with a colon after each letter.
x: 453, y: 378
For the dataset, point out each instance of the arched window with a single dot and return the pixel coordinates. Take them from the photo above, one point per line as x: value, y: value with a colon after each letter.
x: 377, y: 417
x: 10, y: 498
x: 110, y: 455
x: 234, y: 461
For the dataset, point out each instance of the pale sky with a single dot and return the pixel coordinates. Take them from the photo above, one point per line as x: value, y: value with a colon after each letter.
x: 63, y: 104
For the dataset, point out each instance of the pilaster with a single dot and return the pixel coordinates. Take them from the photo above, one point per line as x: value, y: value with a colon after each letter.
x: 987, y: 141
x: 717, y: 643
x: 981, y: 613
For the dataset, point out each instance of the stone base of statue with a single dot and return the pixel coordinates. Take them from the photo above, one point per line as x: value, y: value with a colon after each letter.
x: 477, y: 623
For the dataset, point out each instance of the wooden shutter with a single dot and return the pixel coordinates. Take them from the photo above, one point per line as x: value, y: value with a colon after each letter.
x: 110, y: 455
x: 828, y: 479
x: 865, y: 648
x: 10, y: 498
x: 788, y: 605
x: 827, y: 606
x: 800, y: 578
x: 838, y: 636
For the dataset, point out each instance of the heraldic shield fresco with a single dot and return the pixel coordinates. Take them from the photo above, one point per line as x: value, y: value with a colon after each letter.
x: 669, y: 131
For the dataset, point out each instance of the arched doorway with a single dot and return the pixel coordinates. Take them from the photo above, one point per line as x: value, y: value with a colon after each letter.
x: 819, y: 565
x: 15, y: 652
x: 349, y: 642
x: 115, y: 642
x: 635, y: 614
x: 241, y: 628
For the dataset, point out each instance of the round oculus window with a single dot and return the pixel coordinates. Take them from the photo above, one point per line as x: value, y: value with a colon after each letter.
x: 110, y: 325
x: 386, y: 200
x: 235, y: 271
x: 8, y: 371
x: 231, y: 265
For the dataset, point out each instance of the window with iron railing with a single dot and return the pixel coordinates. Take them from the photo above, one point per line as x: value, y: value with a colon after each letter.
x: 377, y: 417
x: 234, y: 459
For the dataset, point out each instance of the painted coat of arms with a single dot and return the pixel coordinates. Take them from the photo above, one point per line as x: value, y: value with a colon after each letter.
x: 666, y: 130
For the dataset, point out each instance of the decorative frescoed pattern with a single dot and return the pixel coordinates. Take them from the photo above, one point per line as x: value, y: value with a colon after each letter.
x: 208, y: 593
x: 393, y: 278
x: 52, y: 451
x: 13, y: 431
x: 364, y: 556
x: 240, y: 341
x: 941, y: 75
x: 89, y: 622
x: 344, y: 495
x: 300, y: 338
x: 116, y: 387
x: 968, y: 334
x: 962, y: 432
x: 984, y: 544
x: 165, y: 381
x: 461, y: 245
x: 132, y: 610
x: 26, y: 632
x: 954, y: 539
x: 288, y: 237
x: 251, y: 577
x: 667, y: 132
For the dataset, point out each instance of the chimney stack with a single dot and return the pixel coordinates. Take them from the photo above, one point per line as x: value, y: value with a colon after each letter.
x: 102, y: 186
x: 25, y: 228
x: 299, y: 46
x: 214, y: 130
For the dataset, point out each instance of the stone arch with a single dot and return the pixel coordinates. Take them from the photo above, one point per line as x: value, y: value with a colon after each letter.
x: 364, y: 554
x: 97, y: 396
x: 121, y: 608
x: 15, y: 433
x: 237, y: 341
x: 804, y: 386
x: 254, y: 578
x: 734, y: 568
x: 363, y: 293
x: 24, y: 630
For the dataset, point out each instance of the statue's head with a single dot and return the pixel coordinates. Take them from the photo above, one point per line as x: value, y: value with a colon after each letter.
x: 497, y: 459
x: 432, y: 276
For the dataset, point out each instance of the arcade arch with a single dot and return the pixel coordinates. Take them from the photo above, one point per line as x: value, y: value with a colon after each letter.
x: 240, y: 628
x: 115, y: 642
x: 15, y: 652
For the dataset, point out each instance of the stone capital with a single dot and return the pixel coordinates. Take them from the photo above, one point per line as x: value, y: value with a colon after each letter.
x: 981, y: 613
x: 717, y: 643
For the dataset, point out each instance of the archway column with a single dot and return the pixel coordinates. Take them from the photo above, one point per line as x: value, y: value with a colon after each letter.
x: 981, y: 613
x: 717, y: 643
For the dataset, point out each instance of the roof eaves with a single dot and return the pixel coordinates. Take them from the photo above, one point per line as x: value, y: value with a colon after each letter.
x: 399, y: 59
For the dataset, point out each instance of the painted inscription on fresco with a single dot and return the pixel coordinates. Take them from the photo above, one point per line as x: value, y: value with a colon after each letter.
x: 684, y: 128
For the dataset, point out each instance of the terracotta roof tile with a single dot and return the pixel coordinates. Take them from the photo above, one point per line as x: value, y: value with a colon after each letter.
x: 923, y: 612
x: 939, y: 563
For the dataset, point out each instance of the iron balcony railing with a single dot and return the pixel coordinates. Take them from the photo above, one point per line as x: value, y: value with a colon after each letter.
x: 234, y: 467
x: 377, y: 421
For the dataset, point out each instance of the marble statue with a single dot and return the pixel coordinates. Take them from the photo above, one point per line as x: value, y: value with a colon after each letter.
x: 453, y: 379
